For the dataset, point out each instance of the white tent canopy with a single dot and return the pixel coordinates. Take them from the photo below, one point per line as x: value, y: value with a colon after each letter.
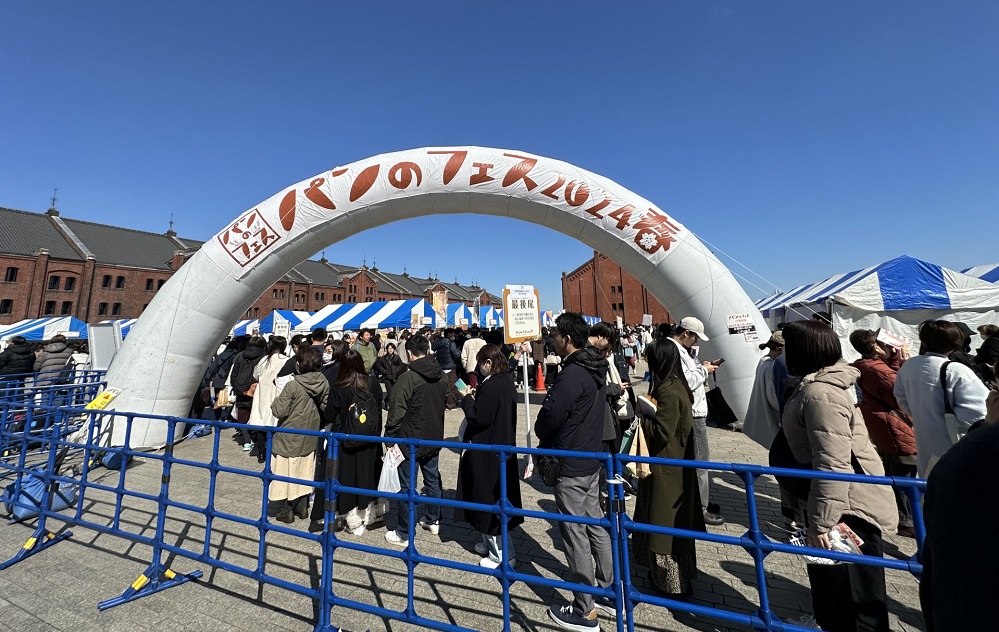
x: 896, y: 295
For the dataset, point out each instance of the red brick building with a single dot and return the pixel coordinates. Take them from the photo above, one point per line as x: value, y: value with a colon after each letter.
x: 56, y: 266
x: 601, y: 288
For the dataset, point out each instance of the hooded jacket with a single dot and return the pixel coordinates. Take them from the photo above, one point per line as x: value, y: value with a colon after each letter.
x: 572, y: 415
x: 367, y: 352
x: 416, y: 410
x: 890, y: 429
x: 298, y: 406
x: 824, y: 427
x: 17, y: 359
x: 447, y: 353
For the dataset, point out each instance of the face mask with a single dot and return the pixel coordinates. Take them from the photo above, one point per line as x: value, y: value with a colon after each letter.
x: 327, y: 357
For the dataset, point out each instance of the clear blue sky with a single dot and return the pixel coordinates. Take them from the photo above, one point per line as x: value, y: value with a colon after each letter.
x: 803, y: 139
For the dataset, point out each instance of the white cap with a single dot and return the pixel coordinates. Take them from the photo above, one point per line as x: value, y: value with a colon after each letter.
x: 694, y: 326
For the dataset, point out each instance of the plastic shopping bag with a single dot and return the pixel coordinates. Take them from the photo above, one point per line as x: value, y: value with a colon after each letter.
x: 389, y: 480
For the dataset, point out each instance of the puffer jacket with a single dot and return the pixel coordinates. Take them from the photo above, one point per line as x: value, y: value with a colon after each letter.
x: 17, y: 360
x: 890, y: 429
x: 53, y: 358
x: 825, y: 427
x: 416, y: 409
x: 298, y: 406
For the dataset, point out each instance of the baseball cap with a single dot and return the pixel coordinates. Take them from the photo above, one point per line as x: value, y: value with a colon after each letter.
x: 776, y: 340
x: 694, y: 326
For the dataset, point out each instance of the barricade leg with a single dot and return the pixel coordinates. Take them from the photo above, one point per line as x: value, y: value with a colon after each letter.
x: 41, y: 538
x: 751, y: 542
x: 157, y: 576
x: 328, y: 538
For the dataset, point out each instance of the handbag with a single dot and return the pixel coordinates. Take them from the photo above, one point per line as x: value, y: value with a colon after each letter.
x: 551, y: 358
x: 718, y: 408
x: 222, y: 399
x: 623, y: 409
x: 250, y: 391
x: 639, y: 447
x: 956, y: 429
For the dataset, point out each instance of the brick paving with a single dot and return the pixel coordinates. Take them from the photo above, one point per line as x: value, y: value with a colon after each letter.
x: 58, y: 589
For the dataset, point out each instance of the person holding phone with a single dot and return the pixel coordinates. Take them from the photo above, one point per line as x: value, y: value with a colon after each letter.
x: 491, y: 413
x: 685, y: 336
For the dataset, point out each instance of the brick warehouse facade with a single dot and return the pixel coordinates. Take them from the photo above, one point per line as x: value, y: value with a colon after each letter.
x: 601, y: 288
x: 56, y: 266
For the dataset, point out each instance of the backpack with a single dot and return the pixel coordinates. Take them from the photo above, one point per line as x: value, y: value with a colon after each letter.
x: 363, y: 417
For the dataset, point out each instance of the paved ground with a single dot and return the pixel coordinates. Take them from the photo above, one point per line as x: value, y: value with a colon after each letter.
x: 58, y: 589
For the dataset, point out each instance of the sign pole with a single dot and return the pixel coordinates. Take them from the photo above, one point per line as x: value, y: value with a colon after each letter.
x: 521, y: 323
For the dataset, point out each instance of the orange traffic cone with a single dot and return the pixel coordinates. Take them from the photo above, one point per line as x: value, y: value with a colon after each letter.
x: 539, y: 380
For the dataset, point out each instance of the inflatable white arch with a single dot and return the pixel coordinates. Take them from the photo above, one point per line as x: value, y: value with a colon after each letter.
x: 162, y: 361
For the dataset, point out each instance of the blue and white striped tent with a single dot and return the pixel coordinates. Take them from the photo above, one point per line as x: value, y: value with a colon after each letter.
x: 490, y: 317
x: 277, y: 316
x: 378, y: 315
x: 458, y: 311
x: 988, y: 273
x: 124, y: 323
x: 896, y: 295
x: 591, y: 320
x: 245, y: 327
x: 45, y: 328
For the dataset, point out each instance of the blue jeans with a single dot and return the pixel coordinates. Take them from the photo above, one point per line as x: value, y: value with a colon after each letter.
x: 431, y: 488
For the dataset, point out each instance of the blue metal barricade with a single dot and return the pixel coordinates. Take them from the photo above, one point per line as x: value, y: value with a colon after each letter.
x: 157, y: 576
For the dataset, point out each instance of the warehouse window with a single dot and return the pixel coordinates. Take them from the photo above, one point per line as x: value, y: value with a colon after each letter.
x: 49, y: 308
x: 116, y: 309
x: 7, y: 305
x: 102, y: 309
x: 53, y: 283
x: 67, y: 308
x: 11, y: 275
x: 70, y: 284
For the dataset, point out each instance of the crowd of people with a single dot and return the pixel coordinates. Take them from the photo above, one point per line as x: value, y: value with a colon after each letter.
x: 930, y: 415
x: 886, y: 414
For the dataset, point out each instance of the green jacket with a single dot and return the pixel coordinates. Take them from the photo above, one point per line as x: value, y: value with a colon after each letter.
x: 368, y: 354
x: 298, y: 406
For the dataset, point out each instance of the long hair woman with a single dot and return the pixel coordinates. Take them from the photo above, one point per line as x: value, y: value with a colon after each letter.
x: 669, y: 496
x: 294, y: 455
x: 491, y: 414
x: 825, y: 428
x: 352, y: 409
x: 264, y: 373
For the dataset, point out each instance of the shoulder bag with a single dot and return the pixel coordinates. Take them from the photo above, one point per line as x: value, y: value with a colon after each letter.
x: 956, y: 429
x: 550, y: 467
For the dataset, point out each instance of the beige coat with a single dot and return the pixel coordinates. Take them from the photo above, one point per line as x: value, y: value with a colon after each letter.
x: 824, y: 427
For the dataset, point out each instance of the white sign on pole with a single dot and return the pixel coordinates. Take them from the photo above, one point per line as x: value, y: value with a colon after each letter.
x: 282, y: 328
x: 620, y: 323
x: 521, y: 313
x: 647, y: 320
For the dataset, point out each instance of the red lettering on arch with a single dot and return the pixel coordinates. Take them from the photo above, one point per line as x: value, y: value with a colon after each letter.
x: 655, y: 231
x: 595, y: 209
x: 453, y: 163
x: 481, y: 176
x: 576, y: 193
x: 364, y: 182
x: 519, y: 172
x: 286, y: 210
x: 550, y: 191
x: 316, y: 195
x: 622, y: 215
x: 401, y: 175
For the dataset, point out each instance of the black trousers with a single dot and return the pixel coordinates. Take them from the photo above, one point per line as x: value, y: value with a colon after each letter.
x: 852, y: 597
x: 894, y: 467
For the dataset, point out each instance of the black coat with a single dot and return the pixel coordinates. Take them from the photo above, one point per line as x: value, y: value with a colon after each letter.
x: 359, y: 463
x: 447, y: 353
x: 416, y: 408
x: 572, y: 415
x: 389, y: 368
x: 17, y: 359
x: 219, y: 368
x: 242, y: 374
x: 492, y: 420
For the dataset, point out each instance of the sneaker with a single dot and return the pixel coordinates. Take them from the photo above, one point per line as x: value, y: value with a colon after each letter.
x: 358, y: 531
x: 489, y: 563
x: 432, y: 527
x: 713, y: 519
x: 247, y: 447
x: 605, y: 603
x: 481, y: 549
x: 569, y: 619
x: 392, y: 537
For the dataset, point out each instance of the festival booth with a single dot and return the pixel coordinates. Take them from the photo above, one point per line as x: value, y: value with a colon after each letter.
x: 988, y: 273
x: 45, y: 328
x: 896, y: 295
x: 245, y: 327
x: 459, y: 315
x: 124, y: 323
x: 280, y: 316
x: 379, y: 315
x: 490, y: 317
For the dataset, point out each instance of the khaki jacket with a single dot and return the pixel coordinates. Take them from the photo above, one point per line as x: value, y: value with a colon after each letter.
x: 824, y: 427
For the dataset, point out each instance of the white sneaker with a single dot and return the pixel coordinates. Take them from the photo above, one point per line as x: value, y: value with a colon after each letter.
x: 488, y: 563
x: 432, y: 527
x: 247, y: 447
x: 481, y: 549
x: 392, y: 537
x: 358, y: 531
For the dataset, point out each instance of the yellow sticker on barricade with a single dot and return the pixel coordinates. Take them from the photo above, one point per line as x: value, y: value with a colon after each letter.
x: 101, y: 401
x: 139, y: 583
x: 169, y: 574
x: 30, y: 544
